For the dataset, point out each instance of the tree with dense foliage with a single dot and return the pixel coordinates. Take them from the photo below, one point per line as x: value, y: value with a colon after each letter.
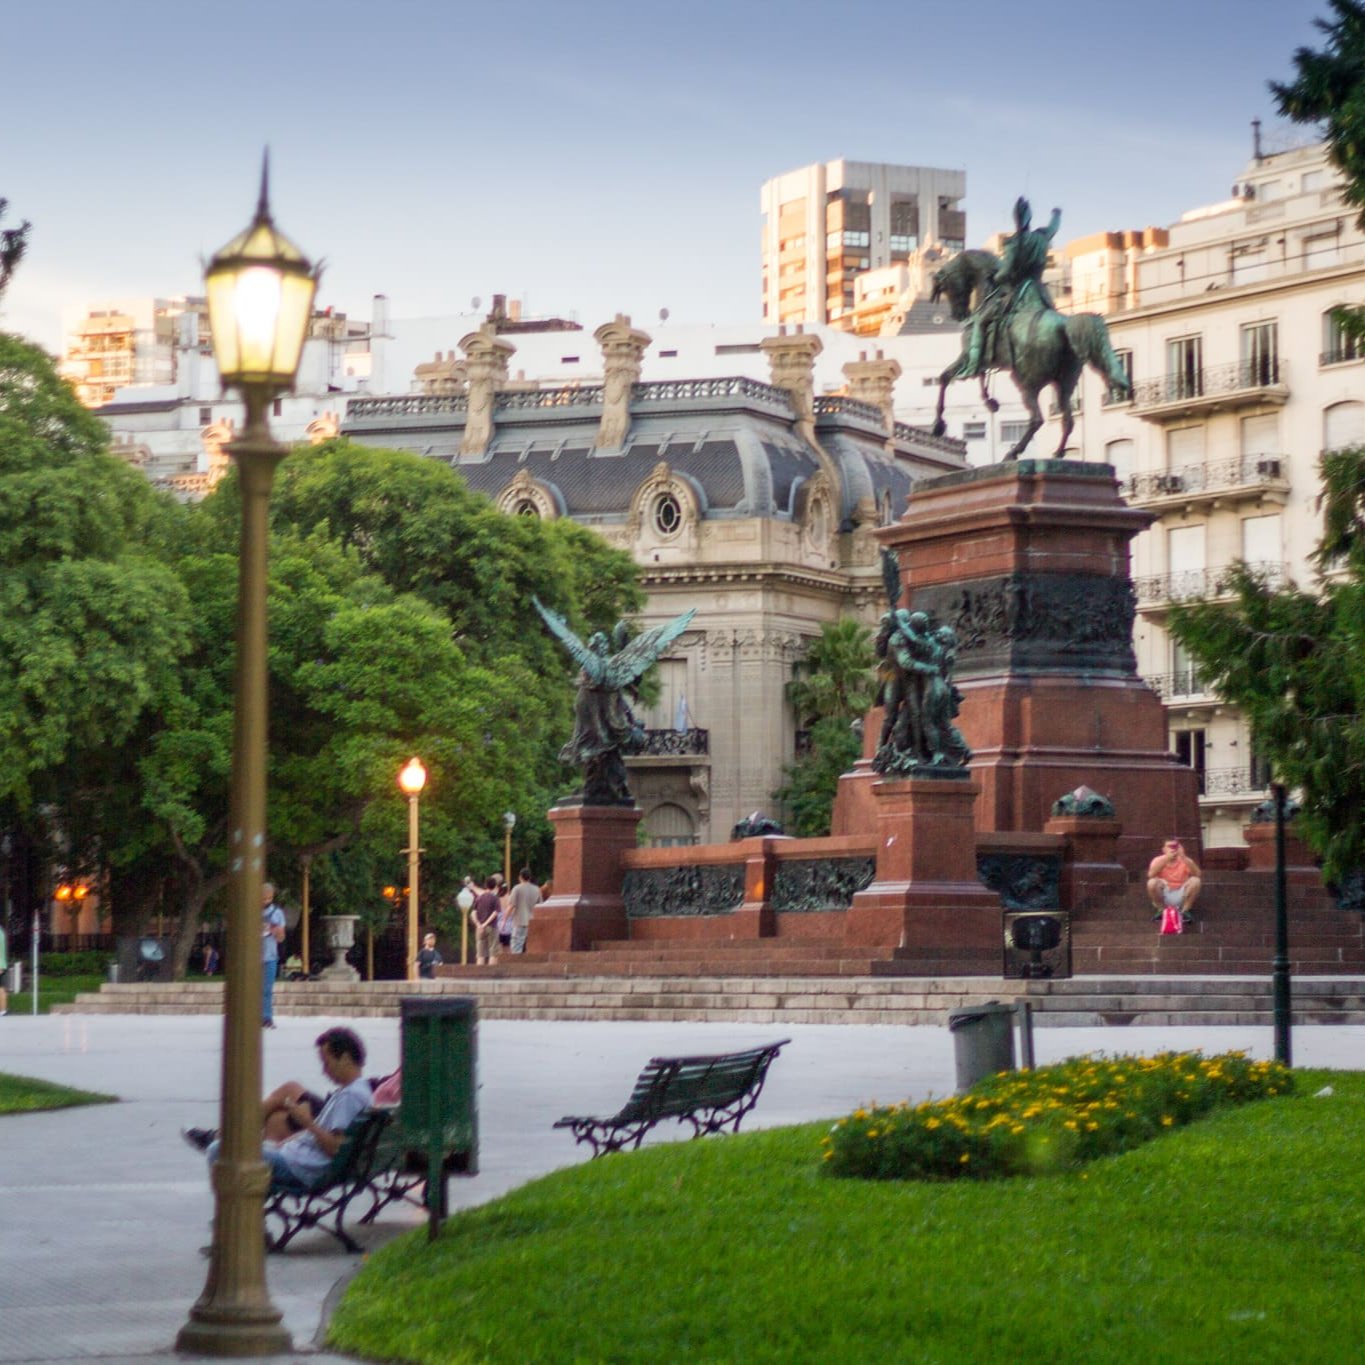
x: 1329, y: 90
x: 833, y: 689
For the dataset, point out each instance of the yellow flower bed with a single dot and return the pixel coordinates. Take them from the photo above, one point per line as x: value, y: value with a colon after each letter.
x: 1053, y: 1118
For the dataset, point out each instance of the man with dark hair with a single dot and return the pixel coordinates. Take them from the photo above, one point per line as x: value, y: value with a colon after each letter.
x: 485, y: 916
x: 301, y: 1134
x: 525, y: 898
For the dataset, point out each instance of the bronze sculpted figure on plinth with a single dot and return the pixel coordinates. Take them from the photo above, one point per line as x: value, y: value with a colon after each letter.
x: 917, y: 693
x: 1012, y: 326
x: 605, y: 728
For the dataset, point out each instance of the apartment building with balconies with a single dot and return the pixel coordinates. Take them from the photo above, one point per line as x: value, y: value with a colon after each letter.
x: 1241, y: 377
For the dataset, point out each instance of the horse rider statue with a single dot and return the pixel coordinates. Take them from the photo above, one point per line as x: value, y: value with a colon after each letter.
x: 1021, y: 264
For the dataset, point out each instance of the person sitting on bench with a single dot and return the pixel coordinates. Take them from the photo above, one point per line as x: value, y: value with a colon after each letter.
x: 300, y: 1134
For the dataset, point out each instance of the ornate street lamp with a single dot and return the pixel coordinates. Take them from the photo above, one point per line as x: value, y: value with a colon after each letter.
x: 412, y: 779
x: 260, y: 292
x: 509, y: 823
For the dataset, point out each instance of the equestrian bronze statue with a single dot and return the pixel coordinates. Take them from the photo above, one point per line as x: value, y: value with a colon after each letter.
x: 1012, y: 326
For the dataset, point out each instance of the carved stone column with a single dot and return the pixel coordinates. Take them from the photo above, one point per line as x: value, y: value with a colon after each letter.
x: 487, y: 355
x: 623, y: 348
x: 444, y: 375
x: 874, y: 381
x: 792, y: 360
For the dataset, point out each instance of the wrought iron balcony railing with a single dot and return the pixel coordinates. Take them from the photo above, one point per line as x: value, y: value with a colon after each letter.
x: 675, y: 743
x: 1244, y: 781
x: 1248, y: 471
x: 1210, y: 382
x: 1187, y: 584
x: 1172, y: 686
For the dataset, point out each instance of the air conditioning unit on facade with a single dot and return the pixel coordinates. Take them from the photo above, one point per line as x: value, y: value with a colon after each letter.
x: 1268, y: 468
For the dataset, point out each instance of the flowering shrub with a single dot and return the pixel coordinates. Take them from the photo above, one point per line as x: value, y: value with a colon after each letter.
x: 1053, y: 1118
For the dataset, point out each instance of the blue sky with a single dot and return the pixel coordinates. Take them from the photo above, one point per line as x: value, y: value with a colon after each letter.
x: 594, y: 157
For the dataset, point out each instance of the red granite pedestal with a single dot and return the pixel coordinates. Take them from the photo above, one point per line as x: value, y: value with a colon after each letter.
x: 1029, y: 563
x: 585, y: 903
x: 926, y: 893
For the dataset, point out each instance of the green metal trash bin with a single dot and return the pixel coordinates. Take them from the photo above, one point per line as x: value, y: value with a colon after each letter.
x: 983, y: 1041
x: 438, y: 1117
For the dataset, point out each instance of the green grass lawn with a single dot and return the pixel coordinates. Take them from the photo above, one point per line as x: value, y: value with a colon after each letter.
x: 52, y: 990
x: 25, y: 1095
x: 1236, y: 1238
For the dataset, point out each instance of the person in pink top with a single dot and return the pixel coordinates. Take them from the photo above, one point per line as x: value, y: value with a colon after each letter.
x: 1173, y: 883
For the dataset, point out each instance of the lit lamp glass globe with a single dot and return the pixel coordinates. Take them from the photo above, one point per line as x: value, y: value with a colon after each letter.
x: 260, y: 292
x: 413, y: 778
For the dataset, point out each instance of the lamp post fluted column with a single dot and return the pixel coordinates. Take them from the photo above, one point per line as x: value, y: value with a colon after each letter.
x: 260, y: 295
x: 234, y: 1315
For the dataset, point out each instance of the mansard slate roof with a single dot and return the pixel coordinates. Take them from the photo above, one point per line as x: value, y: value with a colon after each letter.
x: 735, y: 441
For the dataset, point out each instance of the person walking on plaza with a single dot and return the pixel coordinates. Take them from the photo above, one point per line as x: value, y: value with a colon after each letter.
x: 4, y: 967
x: 1173, y: 882
x: 428, y: 959
x: 525, y: 898
x: 272, y: 935
x: 485, y: 917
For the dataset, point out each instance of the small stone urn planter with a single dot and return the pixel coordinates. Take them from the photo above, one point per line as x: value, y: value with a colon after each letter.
x: 340, y: 937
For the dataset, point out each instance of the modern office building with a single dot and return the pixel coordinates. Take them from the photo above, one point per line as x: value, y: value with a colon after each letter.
x: 826, y: 224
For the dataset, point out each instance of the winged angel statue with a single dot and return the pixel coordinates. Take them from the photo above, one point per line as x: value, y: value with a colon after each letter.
x: 604, y: 727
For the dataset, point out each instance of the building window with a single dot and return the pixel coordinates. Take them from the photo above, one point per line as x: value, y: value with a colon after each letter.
x: 1010, y: 432
x: 667, y: 515
x: 1185, y: 679
x: 524, y: 507
x: 277, y: 408
x: 857, y: 238
x: 1185, y: 366
x: 1189, y: 749
x: 1337, y: 344
x: 205, y: 416
x: 1261, y: 354
x: 1343, y: 425
x: 973, y: 431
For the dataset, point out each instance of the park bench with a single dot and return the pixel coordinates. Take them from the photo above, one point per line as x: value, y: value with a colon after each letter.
x: 355, y: 1168
x: 710, y: 1093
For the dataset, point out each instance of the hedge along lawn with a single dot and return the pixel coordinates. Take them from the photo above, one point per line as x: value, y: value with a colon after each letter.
x: 1237, y: 1237
x: 26, y: 1095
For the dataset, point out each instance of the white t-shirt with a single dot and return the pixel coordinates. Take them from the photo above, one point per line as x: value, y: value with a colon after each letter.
x: 303, y: 1154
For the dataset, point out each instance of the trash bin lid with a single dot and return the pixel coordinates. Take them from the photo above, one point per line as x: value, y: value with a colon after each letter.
x: 958, y: 1018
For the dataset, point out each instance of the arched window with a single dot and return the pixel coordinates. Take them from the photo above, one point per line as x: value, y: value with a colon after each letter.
x: 670, y: 826
x: 1343, y: 424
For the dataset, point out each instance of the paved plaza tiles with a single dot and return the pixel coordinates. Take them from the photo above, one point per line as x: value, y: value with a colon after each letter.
x: 103, y: 1209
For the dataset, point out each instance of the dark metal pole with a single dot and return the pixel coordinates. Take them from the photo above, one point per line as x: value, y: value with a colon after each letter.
x: 1280, y: 971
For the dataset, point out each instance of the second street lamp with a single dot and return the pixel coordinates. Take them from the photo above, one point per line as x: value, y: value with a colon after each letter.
x: 260, y: 289
x: 412, y: 779
x: 509, y: 823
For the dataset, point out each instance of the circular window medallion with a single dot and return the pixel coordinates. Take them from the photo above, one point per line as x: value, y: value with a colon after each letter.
x: 667, y: 515
x: 524, y: 507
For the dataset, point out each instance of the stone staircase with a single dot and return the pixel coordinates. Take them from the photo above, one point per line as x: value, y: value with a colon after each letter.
x: 517, y: 993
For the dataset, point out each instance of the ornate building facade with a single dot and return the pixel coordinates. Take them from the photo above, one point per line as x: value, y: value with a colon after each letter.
x: 752, y: 502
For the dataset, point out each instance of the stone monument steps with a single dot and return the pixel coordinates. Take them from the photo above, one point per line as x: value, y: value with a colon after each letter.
x: 1114, y: 999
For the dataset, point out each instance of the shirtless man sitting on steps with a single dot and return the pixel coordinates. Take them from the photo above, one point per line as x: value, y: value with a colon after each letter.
x: 1173, y: 880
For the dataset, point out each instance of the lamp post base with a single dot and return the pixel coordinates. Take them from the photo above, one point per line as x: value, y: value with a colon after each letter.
x: 240, y: 1334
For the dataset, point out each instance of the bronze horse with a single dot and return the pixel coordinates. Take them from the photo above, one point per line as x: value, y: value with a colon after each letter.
x: 1036, y: 344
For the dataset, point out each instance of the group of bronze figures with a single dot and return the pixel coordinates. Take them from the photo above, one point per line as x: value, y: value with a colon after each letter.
x: 1011, y: 325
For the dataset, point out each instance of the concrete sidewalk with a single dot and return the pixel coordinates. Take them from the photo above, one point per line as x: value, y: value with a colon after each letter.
x: 103, y: 1209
